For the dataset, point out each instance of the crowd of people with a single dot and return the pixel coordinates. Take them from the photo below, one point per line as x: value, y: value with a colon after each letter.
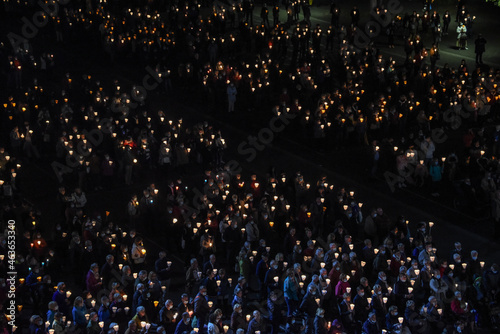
x: 256, y: 253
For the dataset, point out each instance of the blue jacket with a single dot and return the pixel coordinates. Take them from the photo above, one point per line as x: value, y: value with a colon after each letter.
x: 290, y: 289
x: 79, y: 315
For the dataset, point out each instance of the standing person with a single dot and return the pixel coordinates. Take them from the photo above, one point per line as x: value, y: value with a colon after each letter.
x: 434, y: 55
x: 320, y: 324
x: 256, y: 325
x: 79, y: 311
x: 264, y: 15
x: 446, y: 22
x: 291, y: 292
x: 436, y: 173
x: 480, y: 47
x: 138, y: 254
x: 231, y: 96
x: 274, y: 309
x: 428, y: 148
x: 201, y: 308
x: 461, y: 36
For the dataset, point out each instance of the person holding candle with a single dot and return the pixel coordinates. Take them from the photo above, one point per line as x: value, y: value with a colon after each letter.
x: 346, y: 312
x: 127, y: 280
x: 140, y: 317
x: 93, y: 281
x: 401, y: 292
x: 416, y: 323
x: 120, y: 315
x: 104, y: 312
x: 433, y: 316
x: 61, y: 299
x: 270, y: 280
x: 78, y: 313
x: 361, y: 308
x: 184, y: 306
x: 211, y: 284
x: 132, y: 328
x: 378, y: 305
x: 256, y: 325
x: 167, y: 316
x: 53, y: 309
x: 395, y: 322
x: 462, y: 309
x: 138, y: 253
x: 342, y: 285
